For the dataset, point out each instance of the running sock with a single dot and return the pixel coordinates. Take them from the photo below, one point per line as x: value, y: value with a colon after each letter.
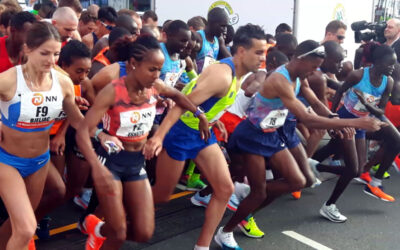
x: 269, y: 175
x: 248, y: 217
x: 97, y: 229
x: 191, y: 167
x: 375, y: 182
x: 196, y: 247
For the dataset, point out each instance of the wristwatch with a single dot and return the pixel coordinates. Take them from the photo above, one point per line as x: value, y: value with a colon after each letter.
x: 198, y: 112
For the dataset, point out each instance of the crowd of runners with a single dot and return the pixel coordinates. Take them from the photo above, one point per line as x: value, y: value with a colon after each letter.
x: 115, y: 111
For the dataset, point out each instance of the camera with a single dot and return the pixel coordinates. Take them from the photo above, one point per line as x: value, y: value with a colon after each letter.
x: 375, y: 33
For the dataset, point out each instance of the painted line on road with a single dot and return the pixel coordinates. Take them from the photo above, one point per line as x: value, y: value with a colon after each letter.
x: 305, y: 240
x: 72, y: 226
x: 179, y: 195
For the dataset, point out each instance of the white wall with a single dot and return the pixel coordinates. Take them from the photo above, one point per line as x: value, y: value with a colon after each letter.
x: 313, y: 16
x: 267, y: 13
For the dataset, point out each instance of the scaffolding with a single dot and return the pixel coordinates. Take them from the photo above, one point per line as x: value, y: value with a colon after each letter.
x: 386, y: 9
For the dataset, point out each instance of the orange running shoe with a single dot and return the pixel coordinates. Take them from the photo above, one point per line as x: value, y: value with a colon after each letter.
x: 378, y: 193
x: 364, y: 178
x: 31, y: 245
x: 93, y: 242
x: 397, y: 163
x: 297, y: 194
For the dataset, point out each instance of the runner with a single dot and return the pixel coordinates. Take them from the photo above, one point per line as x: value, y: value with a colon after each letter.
x: 123, y: 21
x: 212, y: 44
x: 106, y: 18
x: 11, y: 47
x: 75, y: 60
x: 66, y: 22
x: 259, y: 137
x: 213, y: 91
x: 374, y: 84
x: 32, y: 97
x: 87, y: 24
x: 107, y: 56
x: 128, y: 106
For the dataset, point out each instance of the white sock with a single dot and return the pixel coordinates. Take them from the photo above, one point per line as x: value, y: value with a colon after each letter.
x: 269, y: 175
x: 196, y: 247
x: 241, y: 188
x: 375, y: 182
x: 97, y: 229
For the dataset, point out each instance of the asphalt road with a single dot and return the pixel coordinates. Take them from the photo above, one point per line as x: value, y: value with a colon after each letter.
x: 372, y: 224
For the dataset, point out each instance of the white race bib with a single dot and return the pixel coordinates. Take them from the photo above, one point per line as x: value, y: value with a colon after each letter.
x: 208, y: 60
x: 39, y: 109
x: 136, y: 123
x: 372, y: 100
x: 275, y: 119
x: 171, y: 78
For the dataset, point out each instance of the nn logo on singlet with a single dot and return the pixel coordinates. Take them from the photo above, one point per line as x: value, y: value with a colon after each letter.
x: 136, y: 116
x: 38, y: 99
x: 370, y: 99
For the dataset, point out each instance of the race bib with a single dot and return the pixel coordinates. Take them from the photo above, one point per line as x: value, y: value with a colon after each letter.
x: 208, y: 60
x: 136, y: 123
x: 274, y: 119
x: 39, y: 109
x: 372, y: 100
x: 171, y: 78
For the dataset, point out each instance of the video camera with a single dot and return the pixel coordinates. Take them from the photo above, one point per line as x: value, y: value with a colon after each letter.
x: 376, y: 32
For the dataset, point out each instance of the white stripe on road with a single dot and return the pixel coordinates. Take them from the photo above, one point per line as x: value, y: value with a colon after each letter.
x: 306, y: 240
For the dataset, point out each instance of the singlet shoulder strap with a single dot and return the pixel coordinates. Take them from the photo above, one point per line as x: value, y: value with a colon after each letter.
x: 21, y: 84
x: 95, y: 38
x: 122, y: 68
x: 229, y: 62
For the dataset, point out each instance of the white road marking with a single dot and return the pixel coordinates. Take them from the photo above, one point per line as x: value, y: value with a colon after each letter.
x: 306, y: 240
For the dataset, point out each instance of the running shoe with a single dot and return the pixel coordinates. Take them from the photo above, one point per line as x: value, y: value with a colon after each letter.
x: 364, y: 178
x: 333, y: 162
x: 378, y: 193
x: 297, y: 194
x: 313, y: 164
x: 84, y: 199
x: 332, y: 213
x: 93, y: 242
x: 31, y: 245
x: 194, y: 183
x: 183, y: 181
x: 200, y: 201
x: 80, y: 225
x: 375, y: 168
x: 250, y: 228
x: 233, y: 203
x: 316, y: 183
x: 226, y: 240
x: 43, y: 228
x: 396, y: 163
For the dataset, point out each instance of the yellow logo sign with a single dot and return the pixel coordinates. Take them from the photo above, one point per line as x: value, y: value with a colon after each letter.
x: 233, y: 17
x: 339, y: 13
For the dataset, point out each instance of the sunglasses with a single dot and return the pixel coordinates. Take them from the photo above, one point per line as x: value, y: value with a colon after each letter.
x: 318, y: 51
x: 109, y: 27
x: 340, y: 38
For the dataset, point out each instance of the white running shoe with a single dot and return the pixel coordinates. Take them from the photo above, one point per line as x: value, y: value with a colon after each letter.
x: 316, y: 183
x: 313, y: 164
x: 226, y: 240
x: 332, y: 213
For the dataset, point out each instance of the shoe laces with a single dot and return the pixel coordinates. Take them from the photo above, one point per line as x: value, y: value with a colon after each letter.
x: 334, y: 210
x: 252, y: 223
